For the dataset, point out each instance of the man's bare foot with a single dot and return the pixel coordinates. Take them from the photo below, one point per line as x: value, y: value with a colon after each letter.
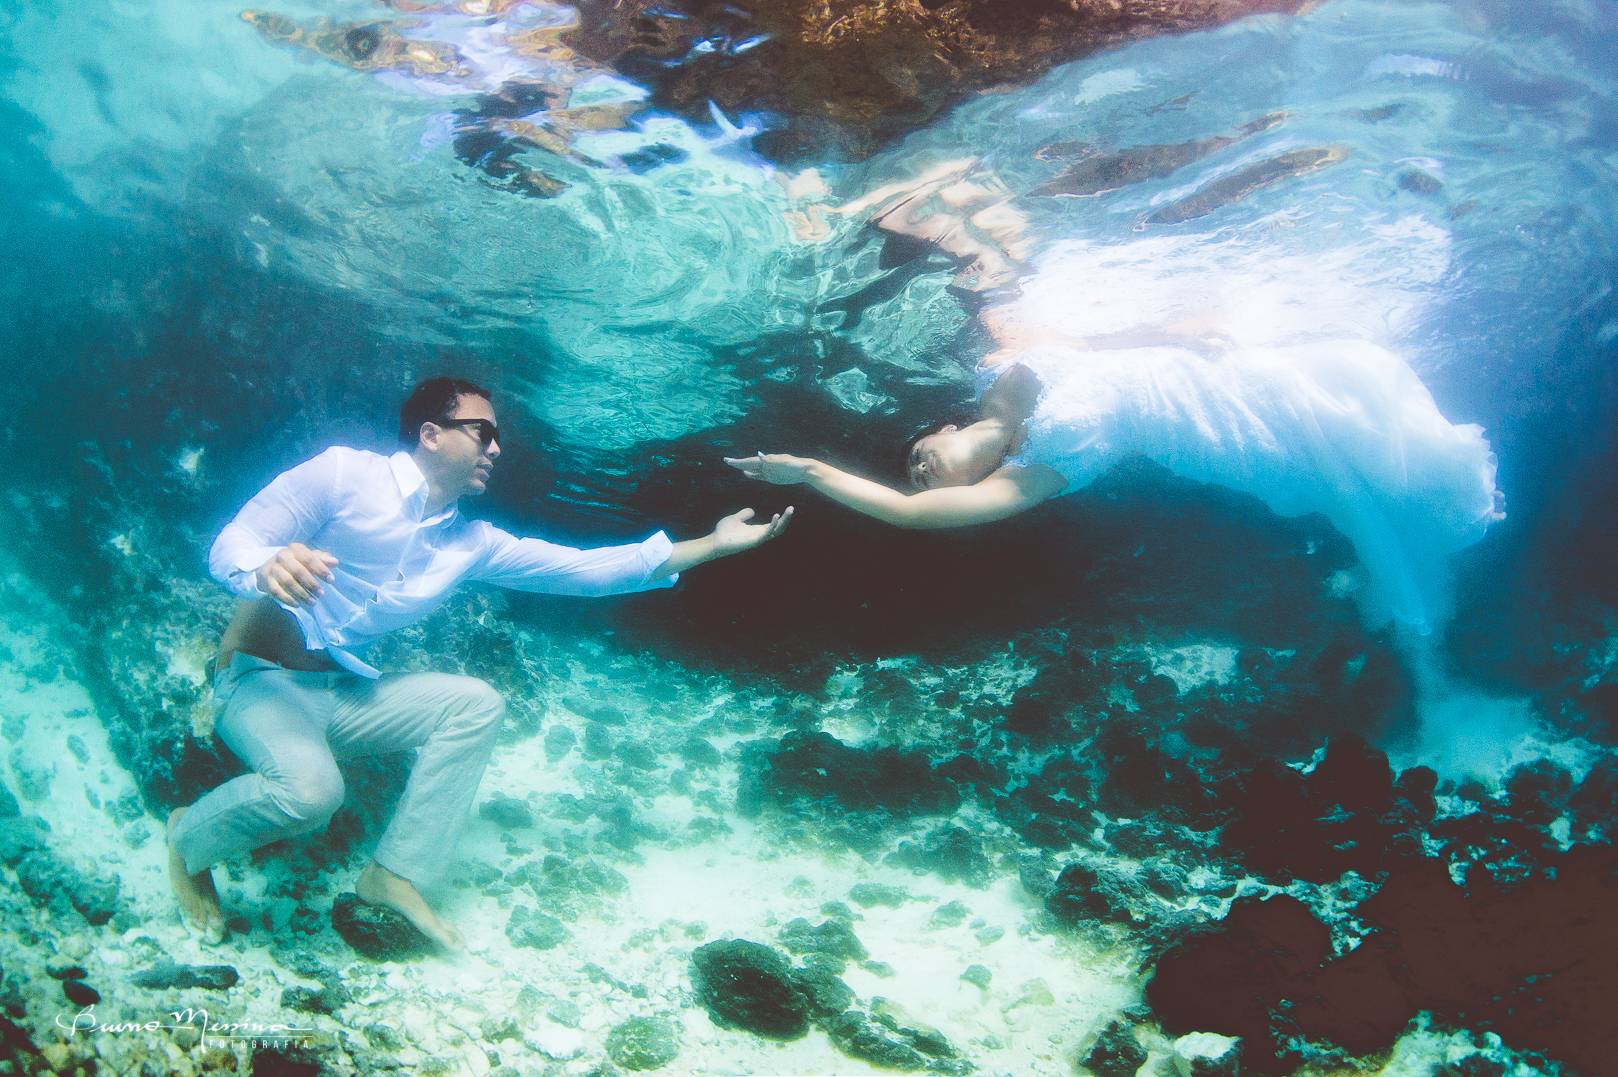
x: 379, y: 886
x: 199, y: 901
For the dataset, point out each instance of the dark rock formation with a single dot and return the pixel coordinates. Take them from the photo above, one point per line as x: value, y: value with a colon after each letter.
x: 749, y: 986
x: 170, y: 974
x: 820, y: 769
x: 888, y: 1037
x: 377, y: 932
x: 80, y: 993
x: 1083, y: 893
x: 1115, y: 1052
x: 56, y: 884
x: 1529, y: 959
x: 327, y: 999
x: 949, y: 852
x: 842, y: 79
x: 832, y: 939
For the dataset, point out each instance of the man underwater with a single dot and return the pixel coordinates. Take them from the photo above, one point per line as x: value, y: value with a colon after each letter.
x: 333, y: 554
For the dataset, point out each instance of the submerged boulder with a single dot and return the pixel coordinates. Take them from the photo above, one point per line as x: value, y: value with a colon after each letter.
x: 377, y: 932
x: 840, y: 80
x: 833, y: 940
x: 167, y: 974
x: 818, y: 768
x: 1115, y: 1052
x: 750, y: 986
x: 643, y: 1043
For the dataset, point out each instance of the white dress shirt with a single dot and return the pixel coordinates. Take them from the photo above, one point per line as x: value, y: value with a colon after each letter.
x: 394, y: 566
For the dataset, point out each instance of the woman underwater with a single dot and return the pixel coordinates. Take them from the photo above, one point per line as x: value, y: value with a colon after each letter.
x: 1331, y: 424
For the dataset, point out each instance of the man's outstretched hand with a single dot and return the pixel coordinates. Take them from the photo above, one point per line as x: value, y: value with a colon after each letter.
x: 294, y: 576
x: 733, y: 534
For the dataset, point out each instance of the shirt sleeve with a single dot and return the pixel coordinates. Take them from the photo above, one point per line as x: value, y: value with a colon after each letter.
x: 531, y: 564
x: 292, y: 508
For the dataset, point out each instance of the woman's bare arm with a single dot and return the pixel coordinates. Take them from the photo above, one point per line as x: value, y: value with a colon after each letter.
x: 1005, y: 493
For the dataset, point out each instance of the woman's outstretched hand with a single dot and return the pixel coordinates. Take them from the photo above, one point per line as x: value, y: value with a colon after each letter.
x: 733, y: 534
x: 780, y: 469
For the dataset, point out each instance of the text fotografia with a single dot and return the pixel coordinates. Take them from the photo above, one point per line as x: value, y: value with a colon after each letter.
x: 198, y: 1020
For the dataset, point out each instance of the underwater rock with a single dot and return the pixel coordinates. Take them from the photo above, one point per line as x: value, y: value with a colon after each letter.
x: 80, y: 993
x: 1526, y: 959
x: 18, y: 1049
x: 643, y: 1043
x: 507, y: 812
x: 950, y: 853
x: 855, y: 1035
x: 1343, y: 816
x: 822, y: 985
x: 1207, y: 1054
x: 55, y: 884
x: 169, y: 974
x: 327, y: 999
x: 1115, y: 1053
x: 1082, y: 893
x: 534, y: 929
x: 840, y: 80
x: 868, y: 895
x: 750, y: 986
x: 1537, y: 792
x: 888, y: 1037
x: 1227, y: 979
x: 978, y: 976
x: 832, y: 939
x: 18, y: 838
x: 819, y: 768
x: 1143, y: 779
x: 377, y: 932
x: 559, y: 740
x: 570, y: 886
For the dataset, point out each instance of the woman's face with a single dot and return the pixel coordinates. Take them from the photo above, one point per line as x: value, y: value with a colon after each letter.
x: 943, y: 458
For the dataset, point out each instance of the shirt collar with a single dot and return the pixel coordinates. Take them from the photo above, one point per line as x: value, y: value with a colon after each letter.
x: 407, y: 474
x: 413, y: 484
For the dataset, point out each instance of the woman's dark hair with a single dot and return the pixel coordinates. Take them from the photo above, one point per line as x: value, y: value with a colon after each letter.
x: 433, y: 401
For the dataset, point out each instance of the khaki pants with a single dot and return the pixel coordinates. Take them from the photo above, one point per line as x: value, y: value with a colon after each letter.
x: 292, y: 728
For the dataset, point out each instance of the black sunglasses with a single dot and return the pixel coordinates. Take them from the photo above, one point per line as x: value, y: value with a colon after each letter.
x: 484, y: 430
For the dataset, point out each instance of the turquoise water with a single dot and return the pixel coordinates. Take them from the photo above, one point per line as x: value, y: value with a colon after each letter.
x: 224, y: 253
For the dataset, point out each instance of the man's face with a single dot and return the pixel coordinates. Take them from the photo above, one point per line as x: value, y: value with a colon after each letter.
x: 465, y: 462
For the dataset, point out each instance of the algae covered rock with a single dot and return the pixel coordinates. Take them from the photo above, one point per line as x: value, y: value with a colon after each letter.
x: 377, y: 932
x: 167, y: 974
x: 534, y: 929
x: 889, y: 1037
x: 833, y: 939
x: 643, y: 1043
x: 750, y: 986
x: 506, y: 812
x: 950, y: 852
x: 1115, y: 1053
x: 819, y: 769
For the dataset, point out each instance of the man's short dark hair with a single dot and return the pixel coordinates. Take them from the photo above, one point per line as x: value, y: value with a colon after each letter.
x: 433, y: 401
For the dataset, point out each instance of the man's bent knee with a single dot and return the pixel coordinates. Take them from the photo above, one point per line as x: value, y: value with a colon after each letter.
x: 481, y: 698
x: 310, y: 800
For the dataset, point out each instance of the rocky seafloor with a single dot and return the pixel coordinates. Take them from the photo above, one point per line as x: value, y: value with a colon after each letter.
x: 1087, y: 850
